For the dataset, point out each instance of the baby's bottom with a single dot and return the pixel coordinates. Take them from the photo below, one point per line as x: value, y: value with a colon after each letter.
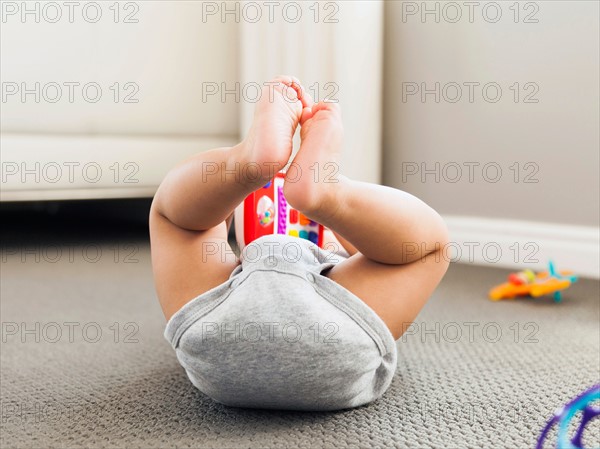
x: 278, y: 334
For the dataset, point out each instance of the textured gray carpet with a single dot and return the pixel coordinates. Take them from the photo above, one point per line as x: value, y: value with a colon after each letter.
x: 124, y: 390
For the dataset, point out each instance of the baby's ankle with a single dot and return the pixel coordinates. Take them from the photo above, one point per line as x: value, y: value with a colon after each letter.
x: 250, y: 172
x: 318, y: 200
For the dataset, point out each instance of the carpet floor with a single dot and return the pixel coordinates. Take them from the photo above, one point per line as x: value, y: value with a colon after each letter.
x: 84, y: 362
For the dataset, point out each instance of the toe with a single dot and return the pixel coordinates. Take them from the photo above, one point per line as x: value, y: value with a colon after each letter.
x: 285, y: 79
x: 333, y: 108
x: 294, y: 83
x: 306, y: 115
x: 305, y: 97
x: 320, y: 106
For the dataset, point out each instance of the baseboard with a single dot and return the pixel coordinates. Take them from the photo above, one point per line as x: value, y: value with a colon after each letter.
x: 519, y: 244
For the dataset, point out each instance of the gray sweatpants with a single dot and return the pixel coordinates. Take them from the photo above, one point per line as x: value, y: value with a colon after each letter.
x: 279, y: 334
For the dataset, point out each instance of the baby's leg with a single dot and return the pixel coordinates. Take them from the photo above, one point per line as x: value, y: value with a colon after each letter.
x: 398, y: 265
x: 188, y: 229
x: 399, y: 239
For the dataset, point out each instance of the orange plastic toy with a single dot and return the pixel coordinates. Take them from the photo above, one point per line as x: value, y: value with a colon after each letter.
x: 528, y: 283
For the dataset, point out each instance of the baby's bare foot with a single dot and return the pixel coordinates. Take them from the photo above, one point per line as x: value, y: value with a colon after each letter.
x: 313, y: 177
x: 269, y: 141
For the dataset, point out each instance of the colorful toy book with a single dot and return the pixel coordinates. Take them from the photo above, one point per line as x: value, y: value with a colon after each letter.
x: 266, y: 211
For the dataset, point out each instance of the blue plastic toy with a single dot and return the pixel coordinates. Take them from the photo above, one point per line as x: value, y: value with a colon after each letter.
x: 565, y: 415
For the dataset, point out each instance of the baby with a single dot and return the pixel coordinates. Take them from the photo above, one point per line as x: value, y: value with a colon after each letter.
x: 289, y: 325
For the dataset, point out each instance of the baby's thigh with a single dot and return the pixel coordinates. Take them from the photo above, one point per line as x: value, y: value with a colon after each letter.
x: 395, y: 292
x: 187, y: 263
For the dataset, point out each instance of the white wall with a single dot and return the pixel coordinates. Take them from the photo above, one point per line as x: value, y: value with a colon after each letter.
x: 559, y: 133
x: 555, y: 201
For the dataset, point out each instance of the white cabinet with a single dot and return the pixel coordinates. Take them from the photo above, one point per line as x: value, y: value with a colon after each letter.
x: 101, y: 99
x: 124, y: 98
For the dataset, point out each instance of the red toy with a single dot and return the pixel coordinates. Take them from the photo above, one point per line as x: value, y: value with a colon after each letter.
x: 266, y: 212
